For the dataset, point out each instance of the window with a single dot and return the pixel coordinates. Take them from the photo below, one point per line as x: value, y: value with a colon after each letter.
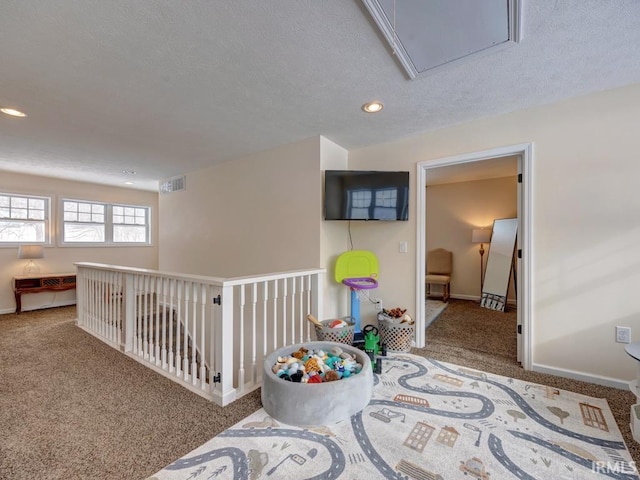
x: 102, y: 223
x: 83, y: 222
x: 24, y: 219
x: 130, y: 224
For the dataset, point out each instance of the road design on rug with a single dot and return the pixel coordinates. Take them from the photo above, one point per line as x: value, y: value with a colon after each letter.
x: 427, y: 420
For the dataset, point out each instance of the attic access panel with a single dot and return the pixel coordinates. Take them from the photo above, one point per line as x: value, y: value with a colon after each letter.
x: 429, y: 34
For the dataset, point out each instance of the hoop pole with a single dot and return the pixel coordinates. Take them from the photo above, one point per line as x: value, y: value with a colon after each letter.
x: 355, y: 309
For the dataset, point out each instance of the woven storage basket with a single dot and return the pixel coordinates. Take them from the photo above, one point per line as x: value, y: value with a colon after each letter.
x: 340, y: 335
x: 397, y: 336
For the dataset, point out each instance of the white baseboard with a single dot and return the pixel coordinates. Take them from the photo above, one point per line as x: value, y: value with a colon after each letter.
x: 65, y: 303
x: 466, y: 297
x: 582, y: 376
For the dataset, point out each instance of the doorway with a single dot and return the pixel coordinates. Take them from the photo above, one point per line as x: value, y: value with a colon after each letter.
x: 523, y: 294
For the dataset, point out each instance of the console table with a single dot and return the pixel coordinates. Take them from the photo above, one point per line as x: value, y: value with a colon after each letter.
x: 41, y: 283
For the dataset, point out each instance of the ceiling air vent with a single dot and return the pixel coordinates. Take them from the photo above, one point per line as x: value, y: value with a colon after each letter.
x: 173, y: 184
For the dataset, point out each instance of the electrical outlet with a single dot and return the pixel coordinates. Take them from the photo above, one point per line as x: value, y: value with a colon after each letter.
x: 378, y: 304
x: 623, y: 334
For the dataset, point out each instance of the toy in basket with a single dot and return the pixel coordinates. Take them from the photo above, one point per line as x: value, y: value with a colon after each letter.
x: 396, y: 329
x: 336, y: 330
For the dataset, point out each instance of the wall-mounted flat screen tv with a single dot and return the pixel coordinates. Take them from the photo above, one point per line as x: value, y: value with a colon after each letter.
x: 366, y: 195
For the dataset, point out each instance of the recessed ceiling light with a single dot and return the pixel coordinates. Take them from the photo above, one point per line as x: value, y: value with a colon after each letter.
x: 128, y: 183
x: 373, y: 107
x: 129, y: 172
x: 13, y: 112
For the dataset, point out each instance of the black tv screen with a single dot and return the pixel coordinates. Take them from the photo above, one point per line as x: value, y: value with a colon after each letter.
x: 366, y: 195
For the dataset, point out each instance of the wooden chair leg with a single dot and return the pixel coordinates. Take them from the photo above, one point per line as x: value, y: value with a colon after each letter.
x: 445, y: 292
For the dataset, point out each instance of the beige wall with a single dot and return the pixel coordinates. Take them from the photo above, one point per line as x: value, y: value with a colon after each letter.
x: 453, y: 210
x: 61, y: 259
x: 585, y: 230
x: 335, y: 236
x: 258, y: 214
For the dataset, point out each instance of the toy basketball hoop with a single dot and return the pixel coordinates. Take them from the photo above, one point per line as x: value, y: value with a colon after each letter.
x: 358, y: 270
x: 363, y: 283
x: 361, y: 286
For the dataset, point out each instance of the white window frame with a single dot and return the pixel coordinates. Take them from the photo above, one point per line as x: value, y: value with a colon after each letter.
x: 108, y: 224
x: 47, y: 220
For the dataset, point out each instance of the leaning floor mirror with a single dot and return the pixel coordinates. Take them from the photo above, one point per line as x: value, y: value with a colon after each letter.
x: 499, y: 264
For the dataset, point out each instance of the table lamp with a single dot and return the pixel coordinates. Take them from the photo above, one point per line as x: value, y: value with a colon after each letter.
x: 30, y: 252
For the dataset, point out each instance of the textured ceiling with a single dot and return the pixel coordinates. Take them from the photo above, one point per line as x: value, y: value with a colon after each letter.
x: 165, y: 87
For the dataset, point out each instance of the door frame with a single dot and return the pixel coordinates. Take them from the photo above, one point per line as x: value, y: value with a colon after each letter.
x: 525, y: 237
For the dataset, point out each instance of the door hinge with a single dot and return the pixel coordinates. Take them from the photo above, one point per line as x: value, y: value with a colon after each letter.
x: 519, y: 329
x: 216, y: 378
x: 519, y: 178
x: 217, y: 300
x: 519, y: 253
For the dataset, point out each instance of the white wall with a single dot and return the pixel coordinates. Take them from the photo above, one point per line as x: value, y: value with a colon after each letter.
x: 585, y: 230
x: 61, y: 259
x: 453, y: 210
x: 258, y: 214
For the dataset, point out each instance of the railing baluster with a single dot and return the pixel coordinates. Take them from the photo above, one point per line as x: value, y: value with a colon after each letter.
x: 300, y: 303
x: 285, y: 320
x: 163, y: 347
x: 115, y: 335
x: 308, y: 307
x: 185, y: 333
x: 194, y: 334
x: 178, y: 324
x: 145, y: 318
x: 101, y: 305
x: 275, y: 314
x: 156, y: 317
x: 172, y: 317
x: 293, y: 310
x: 139, y: 318
x: 265, y: 318
x: 204, y: 351
x: 241, y: 343
x: 112, y: 312
x: 254, y: 333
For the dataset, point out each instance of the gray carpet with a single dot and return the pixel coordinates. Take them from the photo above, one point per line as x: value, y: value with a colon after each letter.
x: 71, y: 407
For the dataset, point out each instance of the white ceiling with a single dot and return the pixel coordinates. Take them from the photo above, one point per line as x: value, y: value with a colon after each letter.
x: 164, y: 87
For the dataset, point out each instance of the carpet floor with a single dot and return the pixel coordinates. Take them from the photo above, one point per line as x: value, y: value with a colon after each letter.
x: 72, y: 407
x: 433, y: 309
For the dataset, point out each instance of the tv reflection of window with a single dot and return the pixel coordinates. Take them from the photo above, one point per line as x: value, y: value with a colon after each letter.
x: 378, y: 203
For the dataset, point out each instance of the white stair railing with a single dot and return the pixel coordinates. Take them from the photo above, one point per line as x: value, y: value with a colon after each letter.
x: 209, y: 334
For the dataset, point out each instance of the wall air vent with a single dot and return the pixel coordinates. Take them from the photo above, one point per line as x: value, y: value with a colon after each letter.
x: 174, y: 184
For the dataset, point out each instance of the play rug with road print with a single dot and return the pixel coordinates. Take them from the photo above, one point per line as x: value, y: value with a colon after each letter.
x: 427, y: 420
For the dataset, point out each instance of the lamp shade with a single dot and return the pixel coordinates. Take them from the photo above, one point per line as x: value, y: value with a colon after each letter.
x: 31, y: 251
x: 481, y: 235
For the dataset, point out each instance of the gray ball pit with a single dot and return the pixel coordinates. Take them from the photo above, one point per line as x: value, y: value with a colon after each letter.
x: 312, y: 404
